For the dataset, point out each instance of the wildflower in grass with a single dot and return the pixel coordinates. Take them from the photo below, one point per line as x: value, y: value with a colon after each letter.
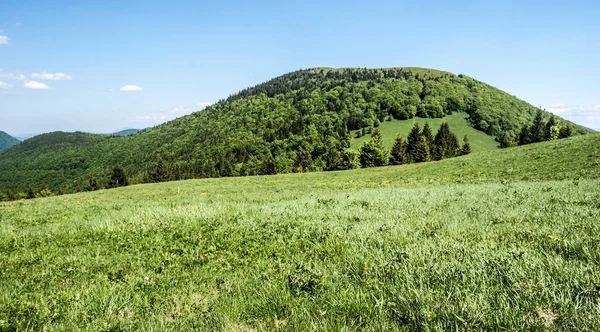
x: 203, y: 194
x: 12, y: 229
x: 554, y: 237
x: 429, y: 314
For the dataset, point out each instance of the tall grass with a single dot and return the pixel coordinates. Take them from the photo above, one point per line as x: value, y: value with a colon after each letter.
x: 395, y: 248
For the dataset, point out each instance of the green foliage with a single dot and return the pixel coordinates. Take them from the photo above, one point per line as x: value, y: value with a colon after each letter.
x: 457, y: 122
x: 118, y: 177
x: 350, y: 159
x: 44, y: 191
x: 312, y: 111
x: 398, y: 153
x: 92, y: 183
x: 413, y: 142
x: 565, y: 131
x: 552, y: 129
x: 536, y: 132
x: 544, y: 131
x: 372, y: 153
x: 428, y: 134
x: 269, y: 167
x: 446, y: 143
x: 6, y: 141
x: 466, y: 147
x: 161, y: 172
x: 525, y: 135
x: 496, y: 240
x: 421, y: 151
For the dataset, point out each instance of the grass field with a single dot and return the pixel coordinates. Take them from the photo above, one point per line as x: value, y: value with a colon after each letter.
x: 496, y: 240
x: 479, y: 141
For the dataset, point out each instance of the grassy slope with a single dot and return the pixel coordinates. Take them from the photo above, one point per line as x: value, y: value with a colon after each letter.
x: 479, y: 140
x: 443, y: 245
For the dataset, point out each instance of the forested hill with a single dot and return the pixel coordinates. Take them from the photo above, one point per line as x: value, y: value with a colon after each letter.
x: 300, y: 121
x: 6, y: 141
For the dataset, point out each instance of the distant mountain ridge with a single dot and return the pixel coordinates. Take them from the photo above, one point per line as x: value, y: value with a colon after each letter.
x: 6, y: 141
x: 126, y: 132
x: 301, y: 121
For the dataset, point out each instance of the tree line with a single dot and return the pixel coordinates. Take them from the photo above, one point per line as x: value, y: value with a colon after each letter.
x: 539, y: 130
x: 420, y: 146
x: 298, y: 122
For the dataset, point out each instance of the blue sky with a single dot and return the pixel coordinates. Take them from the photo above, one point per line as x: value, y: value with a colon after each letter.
x: 63, y: 64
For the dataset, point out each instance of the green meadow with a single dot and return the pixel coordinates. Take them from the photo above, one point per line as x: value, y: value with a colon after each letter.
x: 496, y: 240
x: 457, y: 122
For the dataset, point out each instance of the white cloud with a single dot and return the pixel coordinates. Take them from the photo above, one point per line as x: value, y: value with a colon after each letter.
x: 585, y: 115
x: 50, y: 76
x: 204, y: 104
x: 12, y: 76
x: 165, y: 115
x: 5, y: 85
x: 3, y: 39
x: 35, y: 85
x: 131, y: 88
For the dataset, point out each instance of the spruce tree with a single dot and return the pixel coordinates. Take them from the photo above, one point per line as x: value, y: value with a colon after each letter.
x: 453, y: 147
x: 372, y: 153
x: 377, y: 138
x: 441, y: 142
x: 413, y: 141
x: 537, y: 128
x: 118, y: 178
x: 161, y: 172
x: 565, y: 131
x: 525, y: 135
x: 398, y: 152
x: 422, y: 150
x: 428, y: 135
x: 466, y: 147
x: 551, y: 130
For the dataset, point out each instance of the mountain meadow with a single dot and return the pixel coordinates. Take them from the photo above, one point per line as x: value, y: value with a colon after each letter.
x: 494, y: 240
x: 308, y: 120
x: 400, y: 199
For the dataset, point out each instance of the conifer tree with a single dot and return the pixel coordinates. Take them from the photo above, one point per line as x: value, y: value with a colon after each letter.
x: 466, y: 147
x: 453, y: 146
x: 413, y: 142
x: 372, y: 153
x: 118, y: 178
x: 525, y: 135
x: 398, y: 152
x: 565, y: 131
x: 441, y: 142
x: 428, y: 135
x: 422, y: 150
x: 551, y: 130
x: 161, y: 172
x: 537, y: 128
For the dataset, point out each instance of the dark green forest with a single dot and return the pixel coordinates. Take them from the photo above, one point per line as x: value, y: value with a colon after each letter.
x: 297, y: 122
x: 6, y: 141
